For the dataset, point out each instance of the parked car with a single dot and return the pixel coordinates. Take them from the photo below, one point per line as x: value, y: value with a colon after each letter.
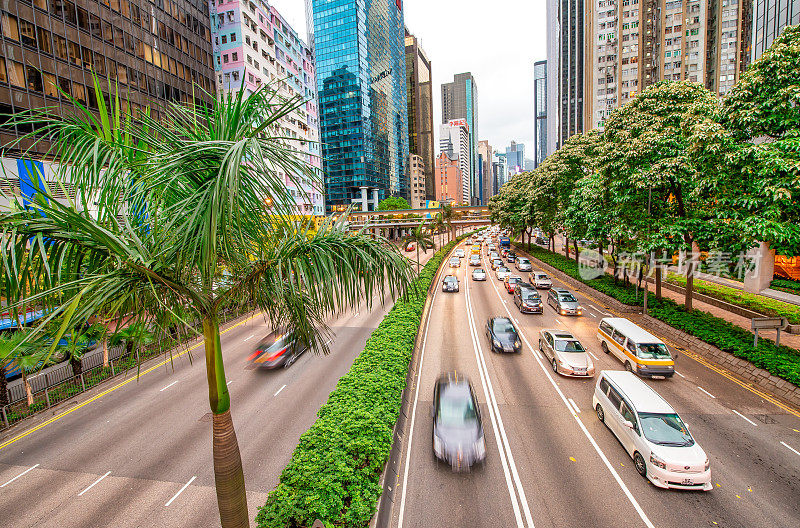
x: 479, y: 274
x: 659, y: 442
x: 511, y: 281
x: 563, y: 302
x: 541, y: 281
x: 528, y: 299
x: 450, y: 283
x: 457, y: 429
x: 640, y: 351
x: 523, y: 264
x: 455, y: 262
x: 279, y: 349
x: 475, y: 260
x: 511, y: 256
x: 501, y: 272
x: 502, y: 335
x: 565, y: 353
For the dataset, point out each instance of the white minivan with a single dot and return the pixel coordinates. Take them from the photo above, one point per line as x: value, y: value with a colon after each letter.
x: 662, y: 449
x: 640, y: 351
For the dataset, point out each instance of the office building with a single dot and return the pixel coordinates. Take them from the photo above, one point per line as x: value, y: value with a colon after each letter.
x: 540, y: 147
x: 499, y: 172
x: 254, y: 46
x: 416, y: 180
x: 515, y: 158
x: 156, y: 53
x: 449, y: 179
x: 454, y: 139
x: 460, y: 101
x: 419, y: 87
x: 485, y: 178
x: 361, y: 80
x: 529, y: 165
x: 566, y: 55
x: 769, y: 19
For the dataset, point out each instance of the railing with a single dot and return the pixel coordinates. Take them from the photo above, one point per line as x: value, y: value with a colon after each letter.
x: 366, y: 221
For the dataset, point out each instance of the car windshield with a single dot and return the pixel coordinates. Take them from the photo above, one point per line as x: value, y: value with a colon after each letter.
x: 274, y: 342
x: 479, y: 271
x: 529, y: 295
x: 514, y: 280
x: 450, y: 279
x: 653, y: 351
x: 502, y: 269
x: 503, y: 326
x: 567, y: 298
x: 453, y: 259
x: 665, y: 429
x: 541, y: 276
x: 523, y: 261
x: 569, y: 345
x: 456, y: 411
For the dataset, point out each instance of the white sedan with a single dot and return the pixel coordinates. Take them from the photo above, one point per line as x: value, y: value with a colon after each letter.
x: 479, y: 274
x: 501, y: 273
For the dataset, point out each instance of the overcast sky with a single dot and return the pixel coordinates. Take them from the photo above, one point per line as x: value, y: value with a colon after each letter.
x: 497, y: 40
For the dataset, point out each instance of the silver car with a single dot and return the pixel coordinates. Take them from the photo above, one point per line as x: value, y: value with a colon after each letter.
x: 563, y: 302
x: 479, y: 274
x: 496, y: 263
x: 541, y: 281
x: 565, y: 353
x: 474, y: 260
x: 455, y: 262
x: 460, y: 253
x: 502, y: 272
x: 523, y: 264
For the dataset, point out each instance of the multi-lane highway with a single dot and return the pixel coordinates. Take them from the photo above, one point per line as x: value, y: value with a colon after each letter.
x: 551, y: 462
x: 125, y: 458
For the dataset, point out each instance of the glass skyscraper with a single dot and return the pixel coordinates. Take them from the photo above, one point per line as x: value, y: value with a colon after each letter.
x: 361, y: 78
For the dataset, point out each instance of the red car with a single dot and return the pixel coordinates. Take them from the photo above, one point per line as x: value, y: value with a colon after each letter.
x: 511, y: 282
x: 411, y: 247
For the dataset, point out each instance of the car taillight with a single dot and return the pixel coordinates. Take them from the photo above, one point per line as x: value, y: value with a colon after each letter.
x: 254, y: 355
x: 277, y: 354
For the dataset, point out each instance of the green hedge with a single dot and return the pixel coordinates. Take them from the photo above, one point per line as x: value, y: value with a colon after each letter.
x: 781, y: 361
x: 789, y: 286
x: 757, y: 303
x: 334, y: 472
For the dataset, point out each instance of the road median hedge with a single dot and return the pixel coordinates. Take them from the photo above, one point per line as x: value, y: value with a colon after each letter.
x: 335, y: 470
x: 780, y: 361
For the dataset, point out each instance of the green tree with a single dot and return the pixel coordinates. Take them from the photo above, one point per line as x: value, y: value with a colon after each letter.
x: 393, y: 203
x: 19, y: 350
x: 195, y: 232
x: 422, y: 237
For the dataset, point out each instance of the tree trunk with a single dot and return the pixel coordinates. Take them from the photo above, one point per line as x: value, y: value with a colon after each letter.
x: 228, y: 474
x: 3, y: 386
x: 417, y: 258
x: 575, y: 246
x: 658, y: 282
x: 690, y: 271
x: 105, y: 352
x: 28, y: 391
x: 566, y: 246
x: 77, y: 366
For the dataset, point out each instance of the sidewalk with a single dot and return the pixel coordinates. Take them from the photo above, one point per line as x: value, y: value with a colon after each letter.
x: 769, y: 292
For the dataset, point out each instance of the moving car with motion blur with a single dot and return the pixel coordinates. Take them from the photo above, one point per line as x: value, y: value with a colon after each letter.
x: 502, y: 335
x: 479, y: 274
x: 278, y: 350
x: 528, y: 299
x: 450, y: 283
x: 563, y: 302
x: 455, y: 262
x: 523, y: 264
x: 501, y: 272
x: 659, y: 442
x: 565, y: 353
x: 510, y: 282
x: 541, y: 281
x: 457, y: 429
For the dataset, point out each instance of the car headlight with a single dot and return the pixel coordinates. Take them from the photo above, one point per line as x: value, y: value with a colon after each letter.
x: 480, y: 448
x: 496, y: 343
x: 517, y: 344
x: 563, y: 312
x: 708, y: 464
x: 656, y: 461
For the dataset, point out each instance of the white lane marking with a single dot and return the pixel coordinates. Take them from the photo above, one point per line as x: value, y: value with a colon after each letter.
x: 575, y: 405
x: 593, y: 307
x: 504, y: 448
x: 248, y: 338
x: 795, y: 451
x: 231, y: 381
x: 593, y: 315
x: 168, y: 386
x: 414, y: 411
x: 538, y: 354
x: 93, y: 484
x: 180, y: 491
x: 751, y: 422
x: 600, y: 453
x: 18, y: 476
x: 559, y: 321
x: 279, y: 390
x: 679, y: 374
x: 595, y: 357
x: 708, y: 393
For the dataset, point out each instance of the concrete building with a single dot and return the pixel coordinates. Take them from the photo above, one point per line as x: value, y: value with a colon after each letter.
x: 499, y: 171
x: 454, y: 139
x: 540, y: 145
x: 254, y: 46
x: 485, y: 174
x: 566, y: 55
x: 419, y: 87
x: 361, y: 78
x: 460, y: 101
x: 416, y: 180
x: 515, y: 158
x: 769, y: 19
x: 449, y: 180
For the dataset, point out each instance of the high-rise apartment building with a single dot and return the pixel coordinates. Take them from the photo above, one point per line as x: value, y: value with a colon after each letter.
x: 515, y: 158
x: 769, y: 19
x: 540, y: 147
x: 460, y: 101
x: 449, y: 179
x: 254, y: 46
x: 454, y: 140
x: 416, y: 181
x: 485, y: 175
x: 419, y: 86
x: 361, y: 79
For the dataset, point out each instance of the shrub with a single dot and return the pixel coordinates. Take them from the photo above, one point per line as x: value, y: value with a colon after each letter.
x: 335, y: 470
x: 787, y: 285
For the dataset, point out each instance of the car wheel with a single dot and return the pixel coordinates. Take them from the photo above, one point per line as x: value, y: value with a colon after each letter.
x: 638, y: 462
x: 555, y: 366
x: 600, y: 414
x: 628, y: 366
x: 604, y: 347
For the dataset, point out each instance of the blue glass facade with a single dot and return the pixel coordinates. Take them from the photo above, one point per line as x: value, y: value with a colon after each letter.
x: 361, y: 70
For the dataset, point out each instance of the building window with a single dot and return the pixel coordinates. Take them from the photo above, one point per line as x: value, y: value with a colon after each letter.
x: 224, y: 39
x: 234, y: 56
x: 16, y: 73
x: 233, y: 37
x: 225, y: 58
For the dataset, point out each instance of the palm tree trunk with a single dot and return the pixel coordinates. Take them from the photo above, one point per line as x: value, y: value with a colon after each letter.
x: 228, y: 473
x: 28, y: 391
x: 105, y: 352
x: 3, y: 386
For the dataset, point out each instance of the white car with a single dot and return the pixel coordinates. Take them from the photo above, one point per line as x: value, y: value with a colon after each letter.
x: 479, y: 274
x: 460, y: 253
x: 455, y: 262
x: 541, y: 281
x: 523, y: 264
x: 501, y: 273
x: 662, y: 449
x: 474, y: 260
x: 565, y: 353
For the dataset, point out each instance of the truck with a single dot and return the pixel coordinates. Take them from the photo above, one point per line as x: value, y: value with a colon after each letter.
x: 505, y: 241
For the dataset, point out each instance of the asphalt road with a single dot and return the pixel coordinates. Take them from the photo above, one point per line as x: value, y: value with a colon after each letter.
x: 125, y: 459
x: 552, y: 463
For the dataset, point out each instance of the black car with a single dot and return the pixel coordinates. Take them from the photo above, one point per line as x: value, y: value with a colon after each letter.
x: 528, y: 299
x: 511, y: 256
x: 502, y: 335
x: 279, y: 349
x: 450, y: 284
x: 457, y: 429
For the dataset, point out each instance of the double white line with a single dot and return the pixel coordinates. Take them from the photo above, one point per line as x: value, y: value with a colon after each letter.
x: 504, y: 447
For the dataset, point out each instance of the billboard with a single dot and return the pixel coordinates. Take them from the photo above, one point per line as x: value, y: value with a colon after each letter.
x: 458, y: 122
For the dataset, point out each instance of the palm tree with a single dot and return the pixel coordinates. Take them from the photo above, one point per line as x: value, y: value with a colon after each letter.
x: 182, y: 221
x: 134, y: 336
x: 447, y: 216
x: 19, y: 350
x: 422, y: 237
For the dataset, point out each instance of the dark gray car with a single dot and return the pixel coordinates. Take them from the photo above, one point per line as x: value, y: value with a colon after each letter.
x: 564, y: 302
x: 457, y: 428
x: 502, y: 335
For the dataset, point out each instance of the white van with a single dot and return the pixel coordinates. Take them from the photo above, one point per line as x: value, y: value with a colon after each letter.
x: 640, y: 351
x: 662, y: 449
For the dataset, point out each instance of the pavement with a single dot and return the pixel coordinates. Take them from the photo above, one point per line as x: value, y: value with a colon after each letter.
x: 137, y: 453
x: 550, y: 461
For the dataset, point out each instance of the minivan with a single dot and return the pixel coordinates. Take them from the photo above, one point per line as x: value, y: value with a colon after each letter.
x: 655, y: 437
x: 640, y: 351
